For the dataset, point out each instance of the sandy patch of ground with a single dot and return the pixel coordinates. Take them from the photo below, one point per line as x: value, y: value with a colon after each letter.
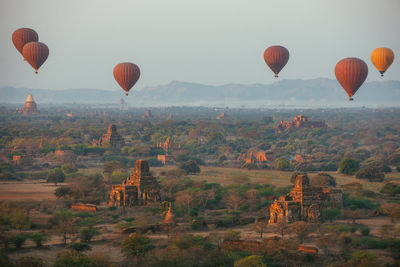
x: 22, y: 191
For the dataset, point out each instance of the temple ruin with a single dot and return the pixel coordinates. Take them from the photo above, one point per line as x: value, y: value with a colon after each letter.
x: 139, y: 189
x: 299, y: 121
x: 112, y: 138
x: 30, y: 106
x: 304, y: 202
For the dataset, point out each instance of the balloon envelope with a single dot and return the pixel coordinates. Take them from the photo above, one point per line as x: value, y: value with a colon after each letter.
x: 35, y: 53
x: 23, y: 36
x: 382, y: 58
x: 276, y: 58
x: 351, y: 73
x: 126, y: 74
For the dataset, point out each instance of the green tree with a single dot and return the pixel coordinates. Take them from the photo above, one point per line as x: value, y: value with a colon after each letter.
x: 136, y: 246
x: 371, y: 173
x: 348, y: 166
x: 19, y: 241
x: 63, y: 192
x: 19, y: 221
x: 55, y: 176
x: 330, y: 214
x: 282, y: 164
x: 38, y: 239
x: 63, y: 224
x: 190, y: 167
x: 216, y: 138
x: 88, y: 234
x: 69, y: 168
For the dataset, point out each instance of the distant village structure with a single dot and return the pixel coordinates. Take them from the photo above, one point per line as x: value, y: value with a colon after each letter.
x: 112, y: 138
x: 304, y: 202
x: 299, y: 121
x: 221, y: 116
x: 147, y: 115
x: 30, y: 106
x: 167, y: 145
x: 139, y: 189
x: 256, y: 157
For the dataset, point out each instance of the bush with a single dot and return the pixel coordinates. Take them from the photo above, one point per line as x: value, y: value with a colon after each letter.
x: 358, y: 203
x: 190, y: 167
x: 370, y: 173
x: 182, y: 157
x: 323, y: 180
x: 69, y: 168
x: 198, y: 224
x: 390, y: 189
x: 330, y: 214
x: 70, y: 257
x: 365, y: 231
x: 154, y: 162
x: 130, y: 219
x: 136, y: 246
x: 117, y: 177
x: 330, y: 166
x: 38, y: 239
x: 28, y: 261
x: 19, y: 241
x: 282, y: 164
x: 348, y: 166
x: 78, y: 246
x: 367, y: 242
x: 304, y: 167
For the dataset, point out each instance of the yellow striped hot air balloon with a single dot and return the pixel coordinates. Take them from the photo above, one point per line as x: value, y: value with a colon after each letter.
x: 382, y: 58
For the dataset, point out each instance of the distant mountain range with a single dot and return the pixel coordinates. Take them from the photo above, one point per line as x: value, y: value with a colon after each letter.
x: 305, y: 93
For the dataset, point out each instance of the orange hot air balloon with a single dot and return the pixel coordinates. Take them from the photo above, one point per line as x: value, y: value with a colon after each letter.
x: 276, y: 58
x: 382, y: 58
x: 36, y: 54
x: 126, y: 74
x: 23, y: 36
x: 351, y: 73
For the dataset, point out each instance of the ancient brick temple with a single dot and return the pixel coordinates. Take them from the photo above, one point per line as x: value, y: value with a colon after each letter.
x: 112, y: 138
x: 30, y: 106
x: 299, y: 121
x: 139, y: 189
x: 304, y: 202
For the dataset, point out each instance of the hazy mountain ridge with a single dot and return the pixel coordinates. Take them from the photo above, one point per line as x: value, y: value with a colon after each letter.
x: 315, y: 92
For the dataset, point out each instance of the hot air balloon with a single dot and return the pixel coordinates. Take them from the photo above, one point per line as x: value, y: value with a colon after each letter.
x: 36, y: 54
x: 382, y: 58
x: 351, y: 73
x: 126, y: 74
x: 276, y: 58
x: 23, y: 36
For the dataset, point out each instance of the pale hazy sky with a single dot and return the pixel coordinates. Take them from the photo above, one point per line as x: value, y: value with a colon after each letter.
x: 206, y: 41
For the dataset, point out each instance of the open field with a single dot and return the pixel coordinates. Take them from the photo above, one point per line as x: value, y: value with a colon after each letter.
x: 223, y: 176
x: 28, y: 190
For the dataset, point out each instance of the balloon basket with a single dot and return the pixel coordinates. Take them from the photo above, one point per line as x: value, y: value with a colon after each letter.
x: 351, y: 99
x: 276, y: 76
x: 36, y: 72
x: 126, y: 94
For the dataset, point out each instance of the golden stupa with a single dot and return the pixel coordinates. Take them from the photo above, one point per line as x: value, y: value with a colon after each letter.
x: 30, y: 106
